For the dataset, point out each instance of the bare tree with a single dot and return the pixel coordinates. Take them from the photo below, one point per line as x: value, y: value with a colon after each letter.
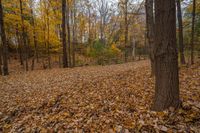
x: 88, y: 12
x: 103, y: 9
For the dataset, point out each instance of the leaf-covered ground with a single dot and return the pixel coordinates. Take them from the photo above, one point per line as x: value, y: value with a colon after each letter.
x: 114, y: 98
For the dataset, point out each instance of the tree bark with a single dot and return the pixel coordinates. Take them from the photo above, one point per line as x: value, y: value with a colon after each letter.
x: 103, y: 9
x: 68, y: 35
x: 126, y: 28
x: 74, y: 35
x: 4, y: 44
x: 89, y: 27
x: 150, y: 24
x: 45, y: 42
x: 166, y: 56
x: 19, y: 46
x: 34, y: 38
x: 101, y: 30
x: 48, y: 36
x: 1, y: 73
x: 65, y: 59
x: 24, y: 36
x: 192, y: 37
x: 133, y: 50
x: 180, y: 25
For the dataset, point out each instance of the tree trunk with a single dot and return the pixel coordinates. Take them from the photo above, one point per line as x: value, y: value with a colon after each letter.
x: 34, y: 38
x: 4, y: 44
x: 133, y: 51
x: 166, y: 56
x: 45, y: 43
x: 65, y: 59
x: 59, y: 60
x: 24, y: 35
x: 192, y: 38
x: 181, y: 45
x: 28, y: 42
x: 48, y: 43
x: 126, y: 29
x: 101, y: 29
x: 150, y: 24
x: 68, y: 35
x: 1, y: 73
x: 19, y: 46
x: 33, y: 63
x: 95, y: 29
x: 74, y: 35
x: 89, y: 27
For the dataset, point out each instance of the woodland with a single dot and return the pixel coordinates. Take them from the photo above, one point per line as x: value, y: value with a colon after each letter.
x: 100, y: 66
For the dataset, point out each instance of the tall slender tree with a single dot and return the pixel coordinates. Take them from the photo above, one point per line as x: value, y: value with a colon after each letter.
x: 4, y: 43
x: 19, y: 45
x: 68, y: 32
x: 150, y: 25
x: 88, y: 4
x: 48, y: 35
x: 180, y: 25
x: 166, y: 56
x: 103, y: 9
x: 192, y: 35
x: 126, y: 27
x: 74, y: 33
x: 24, y: 35
x: 65, y: 59
x: 34, y: 31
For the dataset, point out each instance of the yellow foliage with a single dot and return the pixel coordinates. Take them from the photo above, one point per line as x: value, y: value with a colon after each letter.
x: 115, y: 49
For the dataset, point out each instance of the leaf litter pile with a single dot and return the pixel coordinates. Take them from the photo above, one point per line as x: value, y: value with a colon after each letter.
x: 114, y: 98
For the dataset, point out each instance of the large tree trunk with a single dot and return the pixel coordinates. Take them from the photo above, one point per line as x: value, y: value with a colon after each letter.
x: 166, y: 56
x: 65, y: 59
x: 181, y: 45
x: 24, y: 35
x: 4, y: 44
x: 192, y: 38
x: 150, y: 24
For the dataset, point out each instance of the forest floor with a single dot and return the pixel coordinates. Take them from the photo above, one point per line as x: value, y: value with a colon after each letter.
x: 115, y: 98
